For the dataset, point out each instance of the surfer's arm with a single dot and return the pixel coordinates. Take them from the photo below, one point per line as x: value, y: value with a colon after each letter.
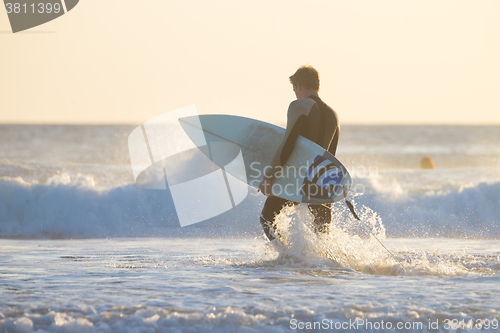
x: 295, y: 111
x: 332, y: 149
x: 266, y: 185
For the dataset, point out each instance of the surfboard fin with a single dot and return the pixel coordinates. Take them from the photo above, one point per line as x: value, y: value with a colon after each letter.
x: 351, y: 208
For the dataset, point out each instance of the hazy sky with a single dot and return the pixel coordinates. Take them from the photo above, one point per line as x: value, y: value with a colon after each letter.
x: 381, y: 62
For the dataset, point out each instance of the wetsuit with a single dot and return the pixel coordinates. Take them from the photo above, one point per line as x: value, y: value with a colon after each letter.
x: 316, y: 121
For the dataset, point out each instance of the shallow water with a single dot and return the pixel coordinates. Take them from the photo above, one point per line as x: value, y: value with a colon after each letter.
x: 84, y: 249
x: 229, y: 285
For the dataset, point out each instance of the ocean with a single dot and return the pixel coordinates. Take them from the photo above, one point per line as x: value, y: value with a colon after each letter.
x: 84, y: 249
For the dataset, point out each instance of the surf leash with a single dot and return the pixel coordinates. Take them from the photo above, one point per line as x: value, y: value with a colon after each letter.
x: 351, y: 208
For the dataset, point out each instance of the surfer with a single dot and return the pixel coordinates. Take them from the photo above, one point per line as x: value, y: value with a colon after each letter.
x: 310, y: 117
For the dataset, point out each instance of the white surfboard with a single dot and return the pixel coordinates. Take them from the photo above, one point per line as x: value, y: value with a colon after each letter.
x: 310, y: 175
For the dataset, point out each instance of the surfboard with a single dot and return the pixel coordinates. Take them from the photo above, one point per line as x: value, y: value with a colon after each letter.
x: 245, y: 147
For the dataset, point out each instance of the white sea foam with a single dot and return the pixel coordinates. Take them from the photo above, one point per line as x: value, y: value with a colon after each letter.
x: 55, y: 184
x: 233, y: 285
x: 464, y: 210
x: 66, y: 207
x: 299, y: 247
x: 74, y: 207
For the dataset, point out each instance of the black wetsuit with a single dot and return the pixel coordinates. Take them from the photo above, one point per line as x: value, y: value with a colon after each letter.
x: 321, y: 126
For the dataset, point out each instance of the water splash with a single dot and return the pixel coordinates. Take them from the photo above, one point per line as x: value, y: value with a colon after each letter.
x: 348, y: 246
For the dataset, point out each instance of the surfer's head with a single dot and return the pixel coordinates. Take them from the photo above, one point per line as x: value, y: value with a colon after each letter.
x: 304, y: 81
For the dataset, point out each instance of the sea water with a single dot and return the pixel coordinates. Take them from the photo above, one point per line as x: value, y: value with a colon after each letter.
x: 84, y: 249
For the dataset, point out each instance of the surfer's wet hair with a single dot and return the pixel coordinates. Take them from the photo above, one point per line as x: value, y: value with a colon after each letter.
x: 307, y: 76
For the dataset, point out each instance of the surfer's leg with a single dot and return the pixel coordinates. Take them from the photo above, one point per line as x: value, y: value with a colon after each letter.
x: 322, y: 217
x: 272, y: 207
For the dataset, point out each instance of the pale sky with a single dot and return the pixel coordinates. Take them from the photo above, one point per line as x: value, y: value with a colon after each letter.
x: 381, y: 62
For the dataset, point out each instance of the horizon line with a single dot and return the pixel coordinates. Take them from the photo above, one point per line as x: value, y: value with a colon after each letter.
x: 139, y: 123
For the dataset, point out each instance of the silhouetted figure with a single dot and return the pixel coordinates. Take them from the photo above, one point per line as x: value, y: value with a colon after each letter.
x: 310, y: 117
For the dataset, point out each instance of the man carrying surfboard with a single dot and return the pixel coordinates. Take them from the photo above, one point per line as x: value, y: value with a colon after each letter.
x: 311, y: 118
